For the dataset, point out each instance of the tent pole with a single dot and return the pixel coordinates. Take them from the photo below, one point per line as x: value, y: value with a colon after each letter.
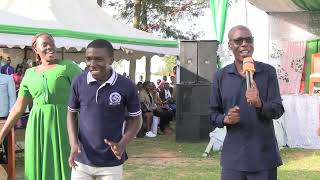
x: 25, y: 52
x: 148, y: 68
x: 132, y: 69
x: 62, y: 53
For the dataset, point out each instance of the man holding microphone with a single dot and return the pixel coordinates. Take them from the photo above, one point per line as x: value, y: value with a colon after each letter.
x: 246, y: 107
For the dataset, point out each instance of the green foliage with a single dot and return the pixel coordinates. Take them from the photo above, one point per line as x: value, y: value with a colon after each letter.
x: 153, y: 10
x: 118, y: 64
x: 169, y: 63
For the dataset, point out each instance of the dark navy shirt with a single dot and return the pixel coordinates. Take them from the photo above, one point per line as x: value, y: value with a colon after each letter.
x: 102, y: 113
x: 7, y: 69
x: 250, y: 145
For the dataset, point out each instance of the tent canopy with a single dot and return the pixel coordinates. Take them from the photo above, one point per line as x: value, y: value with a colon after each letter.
x: 286, y: 5
x: 301, y: 13
x: 73, y: 23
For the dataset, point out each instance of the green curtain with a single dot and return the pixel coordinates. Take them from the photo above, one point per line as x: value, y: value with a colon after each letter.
x: 219, y: 10
x: 312, y: 47
x: 308, y: 5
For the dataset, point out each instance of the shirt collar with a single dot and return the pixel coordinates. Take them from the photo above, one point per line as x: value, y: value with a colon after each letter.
x: 232, y: 68
x: 112, y: 80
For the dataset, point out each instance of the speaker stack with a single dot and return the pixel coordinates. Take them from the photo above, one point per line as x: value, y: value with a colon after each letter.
x: 196, y: 66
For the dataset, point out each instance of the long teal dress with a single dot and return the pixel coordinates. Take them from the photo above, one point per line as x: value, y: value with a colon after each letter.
x: 46, y: 139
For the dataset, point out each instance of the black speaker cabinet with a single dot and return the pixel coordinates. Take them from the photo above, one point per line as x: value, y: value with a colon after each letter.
x: 198, y: 61
x: 207, y: 60
x: 192, y: 121
x: 188, y: 61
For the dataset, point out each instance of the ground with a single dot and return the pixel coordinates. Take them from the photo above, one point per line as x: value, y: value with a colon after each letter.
x: 162, y: 158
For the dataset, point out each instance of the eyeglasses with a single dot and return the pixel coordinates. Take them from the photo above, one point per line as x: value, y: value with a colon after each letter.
x: 240, y: 40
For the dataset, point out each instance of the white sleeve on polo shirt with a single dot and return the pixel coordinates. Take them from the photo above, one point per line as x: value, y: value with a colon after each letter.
x: 133, y: 103
x: 74, y: 104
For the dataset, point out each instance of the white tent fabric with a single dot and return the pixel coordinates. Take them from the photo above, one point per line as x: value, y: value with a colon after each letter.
x: 301, y: 121
x: 25, y: 40
x: 275, y: 5
x: 305, y: 17
x: 72, y: 15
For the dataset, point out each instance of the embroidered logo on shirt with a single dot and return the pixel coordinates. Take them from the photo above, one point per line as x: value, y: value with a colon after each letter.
x: 115, y: 98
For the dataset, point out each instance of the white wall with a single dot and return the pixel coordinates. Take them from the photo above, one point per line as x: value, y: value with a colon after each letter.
x: 256, y: 20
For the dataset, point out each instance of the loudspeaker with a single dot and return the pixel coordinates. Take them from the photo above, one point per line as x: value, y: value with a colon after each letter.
x: 192, y: 128
x: 198, y: 61
x: 207, y: 60
x: 188, y: 62
x: 192, y: 121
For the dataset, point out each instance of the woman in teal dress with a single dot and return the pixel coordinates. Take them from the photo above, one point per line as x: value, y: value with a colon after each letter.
x: 47, y: 86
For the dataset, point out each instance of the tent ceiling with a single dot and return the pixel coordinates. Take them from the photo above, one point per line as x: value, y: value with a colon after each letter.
x: 304, y: 14
x: 73, y: 23
x: 286, y: 5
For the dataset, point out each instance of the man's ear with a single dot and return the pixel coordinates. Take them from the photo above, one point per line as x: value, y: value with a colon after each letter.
x: 229, y: 45
x: 111, y: 60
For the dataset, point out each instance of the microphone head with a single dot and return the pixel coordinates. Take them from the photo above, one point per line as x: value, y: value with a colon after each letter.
x: 248, y: 65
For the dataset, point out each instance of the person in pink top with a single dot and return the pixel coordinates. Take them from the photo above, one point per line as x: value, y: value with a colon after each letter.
x: 17, y: 77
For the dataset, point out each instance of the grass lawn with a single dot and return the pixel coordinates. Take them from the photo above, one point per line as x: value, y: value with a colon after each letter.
x: 163, y: 158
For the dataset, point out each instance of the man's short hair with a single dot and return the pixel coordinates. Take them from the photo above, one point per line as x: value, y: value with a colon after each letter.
x: 101, y: 43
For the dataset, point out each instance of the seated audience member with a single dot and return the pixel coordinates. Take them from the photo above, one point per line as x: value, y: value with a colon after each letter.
x: 158, y: 83
x: 139, y: 86
x: 147, y: 107
x: 161, y: 84
x: 166, y: 96
x: 163, y: 111
x: 173, y: 81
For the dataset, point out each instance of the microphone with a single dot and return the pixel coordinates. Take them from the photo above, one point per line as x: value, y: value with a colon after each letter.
x: 248, y: 70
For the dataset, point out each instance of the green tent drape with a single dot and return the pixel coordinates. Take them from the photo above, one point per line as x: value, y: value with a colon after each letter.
x: 312, y: 47
x: 308, y: 5
x: 219, y: 10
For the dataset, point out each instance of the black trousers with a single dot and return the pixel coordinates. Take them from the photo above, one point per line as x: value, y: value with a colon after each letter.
x: 269, y: 174
x: 165, y: 117
x: 4, y: 152
x: 4, y: 148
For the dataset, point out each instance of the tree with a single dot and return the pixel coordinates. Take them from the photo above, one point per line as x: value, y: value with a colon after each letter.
x: 169, y: 63
x: 162, y: 16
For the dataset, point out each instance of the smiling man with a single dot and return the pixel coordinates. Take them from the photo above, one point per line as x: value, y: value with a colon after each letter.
x: 250, y: 150
x: 102, y: 97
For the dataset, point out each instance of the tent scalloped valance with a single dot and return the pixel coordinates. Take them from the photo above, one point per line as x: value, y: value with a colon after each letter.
x: 10, y: 29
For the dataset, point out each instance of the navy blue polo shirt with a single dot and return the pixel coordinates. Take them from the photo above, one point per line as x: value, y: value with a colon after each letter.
x: 249, y: 145
x: 102, y: 113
